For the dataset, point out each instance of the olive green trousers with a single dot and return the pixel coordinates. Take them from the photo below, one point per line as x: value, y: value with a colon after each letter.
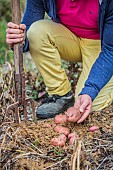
x: 50, y: 42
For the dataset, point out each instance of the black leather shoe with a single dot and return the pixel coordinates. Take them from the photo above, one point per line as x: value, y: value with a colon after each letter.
x: 55, y: 105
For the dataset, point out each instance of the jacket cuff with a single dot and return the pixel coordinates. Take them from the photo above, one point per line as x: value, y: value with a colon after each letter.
x: 26, y: 45
x: 89, y: 91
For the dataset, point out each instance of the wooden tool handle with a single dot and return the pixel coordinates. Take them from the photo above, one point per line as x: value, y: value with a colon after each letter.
x: 18, y: 53
x: 16, y: 12
x: 16, y: 18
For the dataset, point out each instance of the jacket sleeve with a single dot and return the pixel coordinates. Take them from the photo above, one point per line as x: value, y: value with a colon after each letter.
x: 34, y: 11
x: 102, y: 70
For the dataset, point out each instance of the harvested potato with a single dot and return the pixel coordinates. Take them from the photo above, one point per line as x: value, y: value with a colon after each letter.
x: 72, y: 137
x: 72, y: 140
x: 73, y: 114
x: 62, y: 137
x: 62, y: 130
x: 53, y: 125
x: 93, y: 128
x: 47, y: 125
x: 72, y: 134
x: 59, y: 141
x: 59, y: 119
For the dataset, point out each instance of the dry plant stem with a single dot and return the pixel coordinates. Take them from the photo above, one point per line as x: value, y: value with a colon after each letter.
x: 11, y: 107
x: 59, y: 162
x: 26, y: 155
x: 101, y: 163
x: 1, y: 96
x: 6, y: 123
x: 35, y: 147
x: 27, y: 147
x: 9, y: 83
x: 76, y: 158
x: 9, y: 149
x: 11, y: 98
x: 30, y: 149
x: 4, y: 138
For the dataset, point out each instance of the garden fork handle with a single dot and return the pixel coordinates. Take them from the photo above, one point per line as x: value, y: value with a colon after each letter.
x: 18, y: 55
x: 16, y: 18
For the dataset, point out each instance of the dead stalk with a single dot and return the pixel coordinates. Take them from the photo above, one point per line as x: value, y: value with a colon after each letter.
x: 76, y: 156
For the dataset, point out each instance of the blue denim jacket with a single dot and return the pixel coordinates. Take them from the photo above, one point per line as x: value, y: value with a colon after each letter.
x: 102, y: 69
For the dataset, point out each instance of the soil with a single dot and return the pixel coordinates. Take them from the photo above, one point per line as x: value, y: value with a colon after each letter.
x: 26, y: 146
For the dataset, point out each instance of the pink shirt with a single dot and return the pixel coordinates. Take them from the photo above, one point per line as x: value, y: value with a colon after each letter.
x: 80, y: 17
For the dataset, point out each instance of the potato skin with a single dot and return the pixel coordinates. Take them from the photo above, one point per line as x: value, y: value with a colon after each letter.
x: 47, y: 125
x: 72, y: 134
x: 72, y: 137
x: 59, y: 119
x: 72, y: 140
x: 93, y: 128
x: 58, y: 141
x: 73, y: 114
x: 62, y: 130
x: 62, y: 137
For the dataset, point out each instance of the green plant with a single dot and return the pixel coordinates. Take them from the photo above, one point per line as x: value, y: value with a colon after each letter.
x: 5, y: 10
x: 4, y: 49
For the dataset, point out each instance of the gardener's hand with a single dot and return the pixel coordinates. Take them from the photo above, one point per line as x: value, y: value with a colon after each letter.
x: 15, y: 33
x: 85, y: 103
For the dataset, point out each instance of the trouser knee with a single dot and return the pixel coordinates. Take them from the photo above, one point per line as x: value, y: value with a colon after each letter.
x: 38, y: 33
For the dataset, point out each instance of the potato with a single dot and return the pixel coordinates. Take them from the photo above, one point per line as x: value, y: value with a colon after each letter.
x: 72, y: 134
x: 59, y: 141
x: 72, y: 140
x: 59, y: 119
x: 72, y: 137
x: 93, y: 128
x: 47, y: 125
x: 73, y: 114
x: 53, y: 125
x: 62, y: 130
x: 62, y: 137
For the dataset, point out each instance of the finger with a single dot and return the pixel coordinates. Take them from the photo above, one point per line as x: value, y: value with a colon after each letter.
x: 78, y: 102
x: 22, y: 26
x: 14, y: 41
x: 12, y: 25
x: 14, y: 31
x: 85, y: 115
x: 84, y: 106
x: 13, y: 36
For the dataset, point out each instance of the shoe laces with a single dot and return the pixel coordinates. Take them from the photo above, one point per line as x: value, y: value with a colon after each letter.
x: 51, y: 99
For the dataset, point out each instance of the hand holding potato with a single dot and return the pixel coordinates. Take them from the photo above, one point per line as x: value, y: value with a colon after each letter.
x: 73, y: 113
x: 85, y: 103
x: 15, y: 33
x: 82, y: 108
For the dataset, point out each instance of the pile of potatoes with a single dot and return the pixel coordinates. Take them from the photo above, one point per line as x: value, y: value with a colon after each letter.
x: 73, y: 114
